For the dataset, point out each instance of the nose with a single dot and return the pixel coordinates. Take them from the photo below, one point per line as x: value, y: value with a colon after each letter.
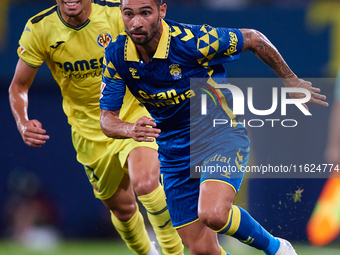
x: 137, y: 22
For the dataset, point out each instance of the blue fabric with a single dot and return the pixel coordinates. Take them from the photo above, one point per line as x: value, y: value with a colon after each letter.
x: 165, y: 85
x: 182, y: 188
x: 252, y: 231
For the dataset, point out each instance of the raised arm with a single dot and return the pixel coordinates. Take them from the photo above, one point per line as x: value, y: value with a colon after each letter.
x: 259, y: 44
x: 30, y: 130
x: 142, y: 130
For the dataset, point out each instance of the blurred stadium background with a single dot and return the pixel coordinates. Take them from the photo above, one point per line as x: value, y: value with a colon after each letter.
x: 47, y: 190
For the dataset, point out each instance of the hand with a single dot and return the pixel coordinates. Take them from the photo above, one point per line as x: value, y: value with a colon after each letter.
x: 33, y: 134
x: 316, y: 98
x: 142, y: 132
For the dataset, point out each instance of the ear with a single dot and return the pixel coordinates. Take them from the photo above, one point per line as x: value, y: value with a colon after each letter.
x: 162, y: 11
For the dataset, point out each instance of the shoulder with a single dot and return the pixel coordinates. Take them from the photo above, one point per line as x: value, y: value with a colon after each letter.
x: 183, y: 44
x: 107, y: 12
x: 107, y: 3
x: 108, y: 7
x: 44, y: 15
x: 118, y: 43
x: 116, y: 48
x: 183, y: 32
x: 186, y: 35
x: 176, y: 26
x: 36, y: 25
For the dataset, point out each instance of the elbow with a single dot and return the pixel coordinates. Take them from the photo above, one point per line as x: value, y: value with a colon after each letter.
x: 104, y: 130
x: 103, y: 123
x: 10, y: 90
x: 253, y: 39
x: 256, y: 33
x: 259, y: 37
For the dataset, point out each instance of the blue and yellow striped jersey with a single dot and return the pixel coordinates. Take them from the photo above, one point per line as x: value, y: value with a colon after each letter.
x: 165, y: 84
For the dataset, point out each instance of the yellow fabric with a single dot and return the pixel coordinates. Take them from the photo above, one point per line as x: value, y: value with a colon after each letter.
x: 214, y: 180
x: 159, y: 218
x: 162, y: 50
x: 184, y: 225
x: 223, y: 251
x: 235, y: 218
x: 235, y: 224
x: 133, y: 232
x: 105, y: 162
x: 74, y: 56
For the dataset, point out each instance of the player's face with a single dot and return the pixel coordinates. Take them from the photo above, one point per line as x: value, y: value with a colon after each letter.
x: 75, y: 11
x: 142, y: 19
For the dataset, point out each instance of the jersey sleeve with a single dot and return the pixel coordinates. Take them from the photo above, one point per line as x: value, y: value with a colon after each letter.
x: 30, y: 49
x: 113, y: 87
x: 218, y: 45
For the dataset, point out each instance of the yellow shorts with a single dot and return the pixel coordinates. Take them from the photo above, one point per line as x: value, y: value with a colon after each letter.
x: 105, y: 161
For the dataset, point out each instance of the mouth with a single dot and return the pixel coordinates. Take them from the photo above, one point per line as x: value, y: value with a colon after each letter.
x: 72, y: 5
x: 138, y: 35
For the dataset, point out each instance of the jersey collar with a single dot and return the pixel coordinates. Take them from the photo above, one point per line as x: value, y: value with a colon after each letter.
x: 70, y: 26
x: 162, y: 50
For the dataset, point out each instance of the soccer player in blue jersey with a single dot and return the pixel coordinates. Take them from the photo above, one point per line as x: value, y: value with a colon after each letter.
x: 71, y: 37
x: 157, y: 60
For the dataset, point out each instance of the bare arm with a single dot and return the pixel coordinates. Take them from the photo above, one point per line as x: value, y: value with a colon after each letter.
x: 142, y: 131
x: 30, y: 130
x: 259, y: 44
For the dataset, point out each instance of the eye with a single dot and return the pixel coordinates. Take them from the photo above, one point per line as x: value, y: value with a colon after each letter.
x: 128, y: 14
x: 146, y: 13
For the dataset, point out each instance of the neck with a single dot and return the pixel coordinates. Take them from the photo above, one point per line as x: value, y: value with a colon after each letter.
x: 148, y: 50
x: 78, y: 20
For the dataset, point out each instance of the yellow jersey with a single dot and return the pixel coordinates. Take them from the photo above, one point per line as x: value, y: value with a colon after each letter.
x: 75, y: 58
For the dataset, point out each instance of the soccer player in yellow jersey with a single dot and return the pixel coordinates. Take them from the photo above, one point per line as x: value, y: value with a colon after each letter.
x: 71, y: 37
